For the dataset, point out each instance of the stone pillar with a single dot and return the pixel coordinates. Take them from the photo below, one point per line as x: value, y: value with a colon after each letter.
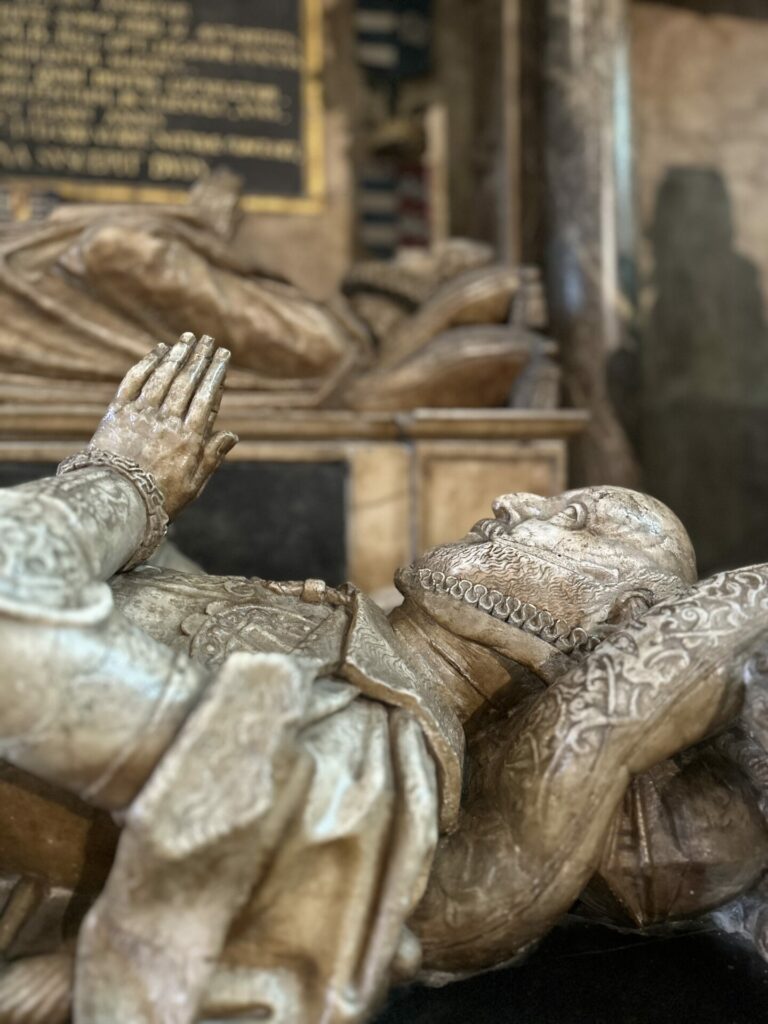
x: 510, y: 200
x: 588, y: 202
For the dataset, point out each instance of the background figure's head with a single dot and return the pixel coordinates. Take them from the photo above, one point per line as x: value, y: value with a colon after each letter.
x: 562, y: 569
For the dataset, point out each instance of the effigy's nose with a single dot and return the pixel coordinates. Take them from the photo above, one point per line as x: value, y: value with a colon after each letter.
x: 501, y: 509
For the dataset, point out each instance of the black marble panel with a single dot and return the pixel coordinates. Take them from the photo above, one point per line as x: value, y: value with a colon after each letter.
x: 14, y: 473
x: 588, y: 975
x: 279, y: 520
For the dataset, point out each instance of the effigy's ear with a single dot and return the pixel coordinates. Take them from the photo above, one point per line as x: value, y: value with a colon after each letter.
x: 628, y: 606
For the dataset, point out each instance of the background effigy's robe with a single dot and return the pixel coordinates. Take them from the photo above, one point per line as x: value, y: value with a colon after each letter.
x: 92, y: 289
x: 87, y: 293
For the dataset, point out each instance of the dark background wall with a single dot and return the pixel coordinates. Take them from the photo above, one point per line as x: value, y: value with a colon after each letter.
x: 700, y: 76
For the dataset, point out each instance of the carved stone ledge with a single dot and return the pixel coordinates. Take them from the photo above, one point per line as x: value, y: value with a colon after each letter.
x: 53, y: 420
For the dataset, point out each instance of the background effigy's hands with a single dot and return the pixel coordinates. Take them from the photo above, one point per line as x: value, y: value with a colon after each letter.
x: 163, y: 415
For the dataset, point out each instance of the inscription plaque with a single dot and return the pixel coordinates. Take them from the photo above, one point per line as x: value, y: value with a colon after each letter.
x: 132, y: 100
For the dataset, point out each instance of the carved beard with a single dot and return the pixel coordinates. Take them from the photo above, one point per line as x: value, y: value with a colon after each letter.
x: 530, y: 589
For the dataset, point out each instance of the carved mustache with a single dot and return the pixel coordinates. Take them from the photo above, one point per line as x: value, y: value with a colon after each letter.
x: 493, y: 530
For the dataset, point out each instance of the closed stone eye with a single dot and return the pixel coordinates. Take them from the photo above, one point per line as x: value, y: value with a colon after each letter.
x: 573, y: 516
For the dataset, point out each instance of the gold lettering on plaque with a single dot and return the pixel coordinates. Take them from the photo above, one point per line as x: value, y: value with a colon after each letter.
x: 150, y: 91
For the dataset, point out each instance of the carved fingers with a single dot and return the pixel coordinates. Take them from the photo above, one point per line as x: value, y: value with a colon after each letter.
x: 186, y: 381
x: 137, y: 376
x: 188, y: 376
x: 165, y: 375
x: 164, y: 414
x: 201, y: 416
x: 207, y: 397
x: 214, y: 454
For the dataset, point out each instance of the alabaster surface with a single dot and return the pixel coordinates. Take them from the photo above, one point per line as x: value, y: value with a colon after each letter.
x: 88, y: 291
x: 231, y: 798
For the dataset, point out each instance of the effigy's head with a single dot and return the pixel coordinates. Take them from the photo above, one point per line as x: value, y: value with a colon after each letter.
x: 562, y: 569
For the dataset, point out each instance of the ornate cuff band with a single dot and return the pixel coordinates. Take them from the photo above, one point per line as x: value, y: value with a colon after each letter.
x: 145, y: 484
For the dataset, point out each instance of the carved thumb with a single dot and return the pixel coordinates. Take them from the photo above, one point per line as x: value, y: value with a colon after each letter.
x: 214, y: 454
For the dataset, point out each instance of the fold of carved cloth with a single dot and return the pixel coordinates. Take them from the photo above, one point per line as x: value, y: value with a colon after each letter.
x: 462, y: 366
x: 285, y: 838
x: 688, y: 837
x: 82, y: 298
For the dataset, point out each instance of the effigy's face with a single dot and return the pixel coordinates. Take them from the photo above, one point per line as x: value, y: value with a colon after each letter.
x: 560, y: 567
